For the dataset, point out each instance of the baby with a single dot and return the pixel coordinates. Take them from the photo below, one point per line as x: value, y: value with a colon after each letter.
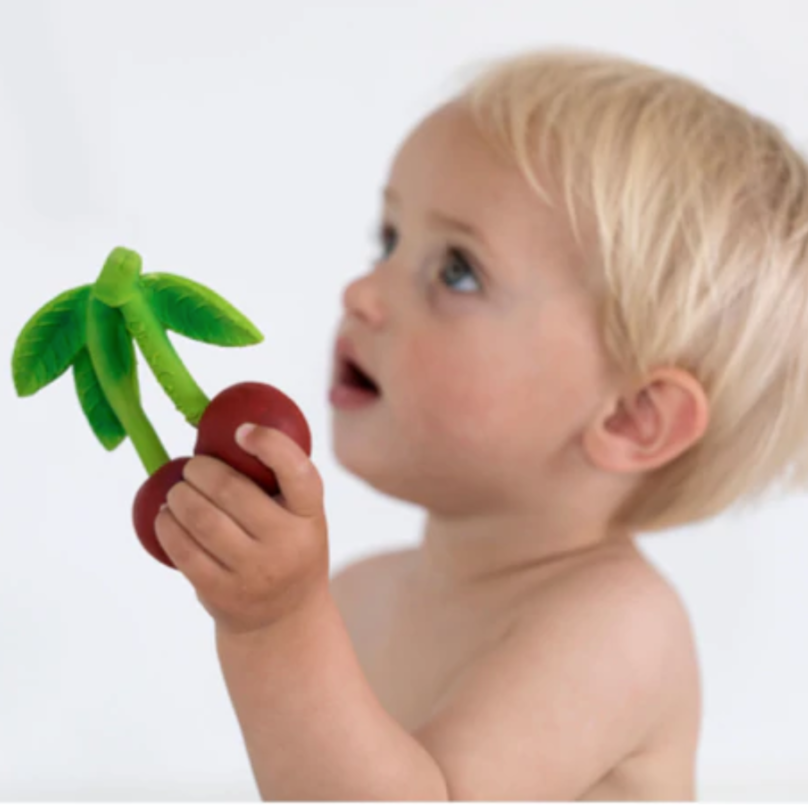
x: 587, y: 320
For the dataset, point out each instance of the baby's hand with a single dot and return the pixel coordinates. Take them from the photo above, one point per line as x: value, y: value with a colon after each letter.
x: 252, y: 558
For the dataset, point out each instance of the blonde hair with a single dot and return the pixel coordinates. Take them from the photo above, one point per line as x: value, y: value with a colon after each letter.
x: 698, y: 211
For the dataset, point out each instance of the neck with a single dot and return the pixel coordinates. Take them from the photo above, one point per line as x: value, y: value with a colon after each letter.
x: 471, y: 550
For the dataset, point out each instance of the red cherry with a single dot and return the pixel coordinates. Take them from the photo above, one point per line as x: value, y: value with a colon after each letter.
x: 151, y: 495
x: 256, y: 403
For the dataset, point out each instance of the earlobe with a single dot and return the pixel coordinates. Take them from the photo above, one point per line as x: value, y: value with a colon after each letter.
x: 646, y: 428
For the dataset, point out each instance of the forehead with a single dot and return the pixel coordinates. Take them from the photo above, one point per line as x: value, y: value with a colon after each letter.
x: 445, y: 165
x: 445, y: 159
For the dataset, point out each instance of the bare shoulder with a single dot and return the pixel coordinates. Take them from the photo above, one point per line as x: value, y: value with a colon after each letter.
x: 625, y: 596
x: 623, y: 578
x: 658, y: 638
x: 578, y: 699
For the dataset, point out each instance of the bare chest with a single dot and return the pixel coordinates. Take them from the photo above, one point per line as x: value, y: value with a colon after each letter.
x: 411, y: 656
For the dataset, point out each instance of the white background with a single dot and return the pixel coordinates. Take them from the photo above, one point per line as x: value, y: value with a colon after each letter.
x: 244, y: 144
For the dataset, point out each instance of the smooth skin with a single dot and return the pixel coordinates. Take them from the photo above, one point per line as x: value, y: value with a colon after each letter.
x: 520, y: 650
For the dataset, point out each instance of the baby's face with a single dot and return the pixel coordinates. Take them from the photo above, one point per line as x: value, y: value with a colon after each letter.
x: 482, y: 343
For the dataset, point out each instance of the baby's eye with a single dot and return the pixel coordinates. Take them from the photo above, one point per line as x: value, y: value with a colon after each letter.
x: 459, y: 263
x: 458, y: 266
x: 381, y: 235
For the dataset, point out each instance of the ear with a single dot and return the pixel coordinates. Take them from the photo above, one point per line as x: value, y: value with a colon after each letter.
x: 647, y: 428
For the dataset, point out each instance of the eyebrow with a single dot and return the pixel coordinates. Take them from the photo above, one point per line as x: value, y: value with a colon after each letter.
x: 447, y: 221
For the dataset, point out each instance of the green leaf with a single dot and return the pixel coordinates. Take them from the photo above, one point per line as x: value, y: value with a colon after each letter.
x: 108, y: 429
x: 193, y: 310
x: 49, y: 341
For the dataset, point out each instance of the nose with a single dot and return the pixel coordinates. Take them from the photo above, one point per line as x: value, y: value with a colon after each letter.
x: 362, y: 298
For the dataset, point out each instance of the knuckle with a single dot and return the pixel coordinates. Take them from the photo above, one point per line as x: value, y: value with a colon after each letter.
x: 316, y: 479
x: 303, y: 468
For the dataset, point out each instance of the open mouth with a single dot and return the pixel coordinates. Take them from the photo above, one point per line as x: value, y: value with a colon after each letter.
x: 353, y: 376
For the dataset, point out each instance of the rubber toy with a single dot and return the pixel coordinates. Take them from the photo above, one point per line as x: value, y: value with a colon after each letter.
x: 93, y: 329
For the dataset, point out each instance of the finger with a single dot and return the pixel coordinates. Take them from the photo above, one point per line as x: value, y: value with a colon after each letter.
x: 241, y: 498
x: 209, y: 526
x: 187, y: 555
x: 298, y: 479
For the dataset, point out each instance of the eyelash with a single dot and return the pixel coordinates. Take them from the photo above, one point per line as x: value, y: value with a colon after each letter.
x: 381, y: 233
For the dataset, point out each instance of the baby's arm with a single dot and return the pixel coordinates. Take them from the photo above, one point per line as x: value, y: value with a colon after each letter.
x: 571, y: 690
x: 313, y: 727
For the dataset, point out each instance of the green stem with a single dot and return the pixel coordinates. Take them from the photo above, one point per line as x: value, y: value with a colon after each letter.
x: 115, y: 365
x: 163, y: 359
x: 119, y: 286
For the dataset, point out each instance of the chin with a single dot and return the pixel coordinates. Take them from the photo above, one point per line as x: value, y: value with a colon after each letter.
x: 413, y: 488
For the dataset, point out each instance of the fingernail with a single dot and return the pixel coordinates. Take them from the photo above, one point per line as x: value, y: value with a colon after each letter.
x: 242, y: 432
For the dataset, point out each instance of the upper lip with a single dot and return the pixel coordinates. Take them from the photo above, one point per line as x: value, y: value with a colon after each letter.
x: 345, y: 354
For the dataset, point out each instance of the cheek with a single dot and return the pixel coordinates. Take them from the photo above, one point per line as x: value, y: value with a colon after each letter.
x: 495, y: 399
x: 457, y: 393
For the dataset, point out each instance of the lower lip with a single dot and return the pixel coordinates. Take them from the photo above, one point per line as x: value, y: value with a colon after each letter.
x: 345, y: 397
